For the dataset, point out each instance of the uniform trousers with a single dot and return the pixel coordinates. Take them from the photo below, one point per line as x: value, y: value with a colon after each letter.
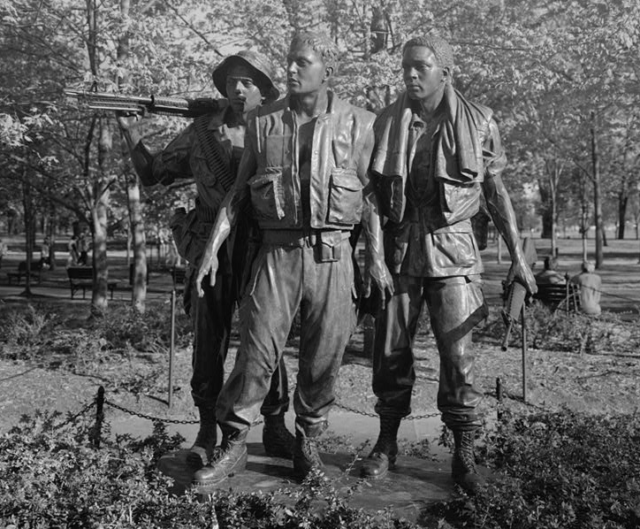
x: 456, y: 306
x: 212, y: 317
x: 287, y: 278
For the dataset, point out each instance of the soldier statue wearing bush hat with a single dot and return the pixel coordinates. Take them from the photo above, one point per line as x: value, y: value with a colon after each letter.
x: 208, y: 151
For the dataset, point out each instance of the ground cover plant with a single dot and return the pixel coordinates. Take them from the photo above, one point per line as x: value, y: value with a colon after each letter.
x: 562, y: 331
x: 53, y: 475
x: 555, y: 468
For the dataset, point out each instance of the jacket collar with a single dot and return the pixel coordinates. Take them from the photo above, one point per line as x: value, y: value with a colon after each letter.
x: 331, y: 106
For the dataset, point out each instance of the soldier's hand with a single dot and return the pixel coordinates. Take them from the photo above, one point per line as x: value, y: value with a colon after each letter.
x: 209, y: 267
x: 378, y: 272
x: 522, y: 273
x: 126, y: 120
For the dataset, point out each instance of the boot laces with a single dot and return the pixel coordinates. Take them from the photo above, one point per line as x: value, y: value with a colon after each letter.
x: 465, y: 451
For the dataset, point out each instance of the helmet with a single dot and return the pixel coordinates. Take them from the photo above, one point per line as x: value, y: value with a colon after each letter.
x: 255, y: 60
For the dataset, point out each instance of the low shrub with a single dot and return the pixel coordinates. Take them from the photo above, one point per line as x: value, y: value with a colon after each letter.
x: 562, y: 331
x: 557, y: 470
x: 52, y: 475
x: 40, y: 332
x: 23, y: 329
x: 148, y: 332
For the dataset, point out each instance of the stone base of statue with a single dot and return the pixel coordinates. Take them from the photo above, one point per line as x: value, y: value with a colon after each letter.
x: 407, y: 489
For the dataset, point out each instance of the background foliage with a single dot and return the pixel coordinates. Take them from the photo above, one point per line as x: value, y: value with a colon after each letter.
x: 562, y: 77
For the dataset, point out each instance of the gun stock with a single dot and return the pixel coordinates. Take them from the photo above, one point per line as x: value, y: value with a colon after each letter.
x: 173, y: 106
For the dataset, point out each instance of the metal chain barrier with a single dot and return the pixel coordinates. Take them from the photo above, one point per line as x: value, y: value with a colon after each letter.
x: 149, y: 417
x: 100, y: 401
x: 375, y: 415
x: 74, y: 417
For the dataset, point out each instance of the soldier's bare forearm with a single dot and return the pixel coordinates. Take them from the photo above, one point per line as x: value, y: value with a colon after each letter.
x: 503, y: 215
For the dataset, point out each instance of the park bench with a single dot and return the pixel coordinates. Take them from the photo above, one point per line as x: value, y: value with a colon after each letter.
x: 81, y: 278
x: 35, y: 272
x: 559, y: 296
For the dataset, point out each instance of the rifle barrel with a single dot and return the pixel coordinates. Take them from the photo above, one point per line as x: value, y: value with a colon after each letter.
x: 138, y: 105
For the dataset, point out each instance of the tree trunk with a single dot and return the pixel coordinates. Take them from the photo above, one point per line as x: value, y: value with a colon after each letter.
x: 553, y: 196
x: 623, y: 202
x: 139, y: 247
x: 51, y: 234
x: 136, y: 218
x: 597, y: 203
x: 546, y: 211
x: 100, y: 206
x: 29, y: 230
x: 99, y: 300
x: 584, y: 213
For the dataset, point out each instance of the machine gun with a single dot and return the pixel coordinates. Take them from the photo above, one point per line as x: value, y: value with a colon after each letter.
x: 514, y: 310
x: 173, y: 106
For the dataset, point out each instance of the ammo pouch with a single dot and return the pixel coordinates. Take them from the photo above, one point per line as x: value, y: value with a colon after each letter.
x: 327, y: 246
x: 183, y: 228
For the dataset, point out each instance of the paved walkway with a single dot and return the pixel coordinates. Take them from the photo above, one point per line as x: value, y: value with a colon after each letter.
x: 408, y: 488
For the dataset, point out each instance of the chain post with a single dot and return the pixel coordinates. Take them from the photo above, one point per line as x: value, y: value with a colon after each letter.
x: 172, y: 346
x: 524, y: 356
x: 499, y: 397
x: 97, y: 429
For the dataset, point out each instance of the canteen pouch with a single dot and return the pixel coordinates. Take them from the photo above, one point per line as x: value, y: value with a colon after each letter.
x: 328, y: 247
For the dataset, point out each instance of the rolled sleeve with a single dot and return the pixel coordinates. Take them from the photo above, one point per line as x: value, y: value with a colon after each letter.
x: 494, y: 156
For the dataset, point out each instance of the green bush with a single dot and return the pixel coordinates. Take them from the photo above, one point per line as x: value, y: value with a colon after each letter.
x: 24, y: 328
x: 562, y: 331
x: 557, y: 470
x: 53, y: 476
x: 148, y: 332
x: 32, y: 332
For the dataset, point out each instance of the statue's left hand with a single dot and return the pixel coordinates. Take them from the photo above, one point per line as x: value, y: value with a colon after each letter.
x: 208, y: 266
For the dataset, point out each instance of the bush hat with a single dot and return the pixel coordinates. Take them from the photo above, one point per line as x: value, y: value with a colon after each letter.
x: 255, y: 60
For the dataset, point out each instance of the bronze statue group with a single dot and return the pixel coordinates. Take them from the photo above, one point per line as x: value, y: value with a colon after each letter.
x: 282, y: 183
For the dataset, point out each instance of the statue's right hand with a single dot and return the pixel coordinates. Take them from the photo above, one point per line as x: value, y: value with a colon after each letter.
x: 209, y: 266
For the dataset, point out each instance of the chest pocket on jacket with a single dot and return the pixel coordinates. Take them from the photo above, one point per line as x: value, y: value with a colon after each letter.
x: 267, y: 194
x: 345, y: 197
x: 459, y: 201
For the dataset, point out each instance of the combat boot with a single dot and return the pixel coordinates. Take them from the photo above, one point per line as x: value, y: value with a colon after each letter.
x: 463, y: 464
x: 277, y: 440
x: 305, y: 456
x: 384, y: 452
x: 202, y: 449
x: 228, y: 460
